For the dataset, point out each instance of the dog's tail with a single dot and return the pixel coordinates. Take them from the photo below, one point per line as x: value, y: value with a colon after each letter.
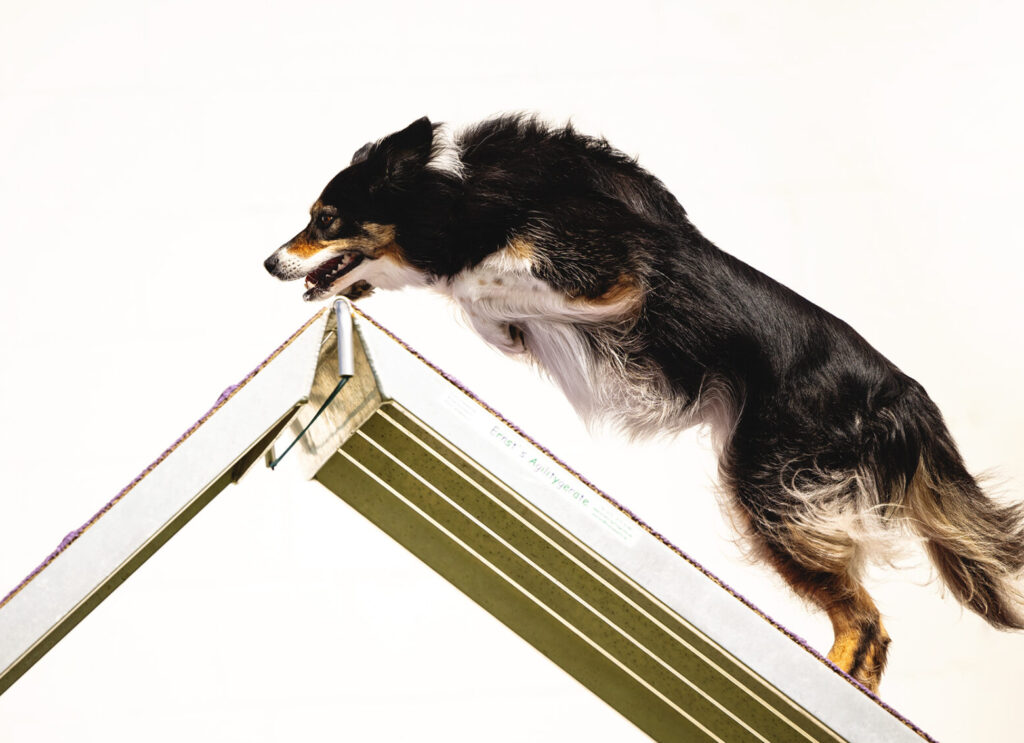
x: 976, y: 543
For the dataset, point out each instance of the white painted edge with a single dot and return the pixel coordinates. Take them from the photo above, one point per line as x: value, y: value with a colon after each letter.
x: 197, y: 462
x: 629, y: 547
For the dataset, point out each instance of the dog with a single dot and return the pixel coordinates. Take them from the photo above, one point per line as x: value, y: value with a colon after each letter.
x: 562, y: 250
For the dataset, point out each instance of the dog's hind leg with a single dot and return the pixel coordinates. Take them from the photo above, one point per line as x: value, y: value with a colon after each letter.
x: 861, y: 643
x: 788, y: 528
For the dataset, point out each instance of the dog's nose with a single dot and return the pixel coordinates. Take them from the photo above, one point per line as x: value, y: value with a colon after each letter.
x: 271, y: 263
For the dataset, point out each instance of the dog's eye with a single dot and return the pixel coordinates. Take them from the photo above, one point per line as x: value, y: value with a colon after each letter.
x: 325, y: 219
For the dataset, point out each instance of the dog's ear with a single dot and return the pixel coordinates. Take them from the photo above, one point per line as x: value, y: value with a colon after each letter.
x: 362, y: 153
x: 408, y: 151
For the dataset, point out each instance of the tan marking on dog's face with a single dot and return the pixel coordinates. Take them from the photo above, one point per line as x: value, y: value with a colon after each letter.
x: 301, y: 246
x: 390, y: 250
x: 373, y: 243
x: 381, y: 234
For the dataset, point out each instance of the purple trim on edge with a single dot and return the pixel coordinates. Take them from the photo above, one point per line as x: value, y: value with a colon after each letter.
x: 72, y: 536
x: 660, y: 537
x: 223, y: 398
x: 230, y: 391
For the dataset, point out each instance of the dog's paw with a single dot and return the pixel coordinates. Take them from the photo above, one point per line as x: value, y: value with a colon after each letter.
x: 358, y: 290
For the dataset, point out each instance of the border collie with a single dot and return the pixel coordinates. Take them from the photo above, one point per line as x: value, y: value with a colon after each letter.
x: 563, y: 250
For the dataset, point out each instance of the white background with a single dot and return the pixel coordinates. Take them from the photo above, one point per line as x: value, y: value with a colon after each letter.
x: 153, y: 153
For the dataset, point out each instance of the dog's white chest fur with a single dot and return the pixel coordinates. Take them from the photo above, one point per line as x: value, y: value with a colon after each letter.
x: 572, y: 339
x: 501, y: 296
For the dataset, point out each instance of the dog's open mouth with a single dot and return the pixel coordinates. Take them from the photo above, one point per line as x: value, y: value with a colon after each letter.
x: 319, y: 281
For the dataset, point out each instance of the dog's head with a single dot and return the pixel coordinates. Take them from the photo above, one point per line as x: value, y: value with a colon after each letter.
x: 350, y: 245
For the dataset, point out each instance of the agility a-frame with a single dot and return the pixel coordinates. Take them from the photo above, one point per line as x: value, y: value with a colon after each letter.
x: 553, y: 558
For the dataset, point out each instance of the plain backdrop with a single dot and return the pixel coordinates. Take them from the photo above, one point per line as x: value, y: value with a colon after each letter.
x: 153, y: 153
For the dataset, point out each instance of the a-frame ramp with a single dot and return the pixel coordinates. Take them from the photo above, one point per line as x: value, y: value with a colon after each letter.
x: 557, y: 561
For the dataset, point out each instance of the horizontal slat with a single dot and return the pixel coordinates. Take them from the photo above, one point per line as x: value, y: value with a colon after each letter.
x: 676, y: 640
x: 642, y: 659
x: 502, y: 598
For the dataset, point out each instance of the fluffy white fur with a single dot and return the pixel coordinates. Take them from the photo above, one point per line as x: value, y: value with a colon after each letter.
x: 519, y: 313
x: 383, y: 273
x: 447, y: 154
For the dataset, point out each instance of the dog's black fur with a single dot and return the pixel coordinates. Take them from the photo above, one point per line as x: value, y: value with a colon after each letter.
x: 824, y: 443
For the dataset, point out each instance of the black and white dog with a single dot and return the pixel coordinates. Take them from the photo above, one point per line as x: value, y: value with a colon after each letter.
x: 563, y: 250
